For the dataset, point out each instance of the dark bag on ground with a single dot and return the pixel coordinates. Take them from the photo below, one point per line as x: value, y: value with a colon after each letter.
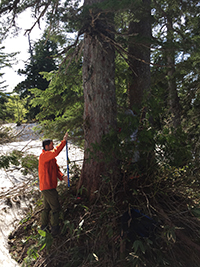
x: 134, y: 223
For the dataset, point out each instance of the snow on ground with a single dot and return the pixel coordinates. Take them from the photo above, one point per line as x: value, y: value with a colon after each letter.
x: 30, y: 142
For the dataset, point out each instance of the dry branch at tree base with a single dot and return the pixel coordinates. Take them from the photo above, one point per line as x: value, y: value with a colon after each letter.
x: 185, y: 239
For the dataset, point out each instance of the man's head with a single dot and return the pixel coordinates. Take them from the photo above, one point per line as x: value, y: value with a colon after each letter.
x: 47, y: 144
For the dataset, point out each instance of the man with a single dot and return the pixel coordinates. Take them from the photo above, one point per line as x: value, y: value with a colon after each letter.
x: 48, y: 173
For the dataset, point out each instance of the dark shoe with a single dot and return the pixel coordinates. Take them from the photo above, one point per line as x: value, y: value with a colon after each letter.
x: 55, y: 230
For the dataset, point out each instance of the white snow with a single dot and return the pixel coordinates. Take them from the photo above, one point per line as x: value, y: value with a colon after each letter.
x: 12, y: 178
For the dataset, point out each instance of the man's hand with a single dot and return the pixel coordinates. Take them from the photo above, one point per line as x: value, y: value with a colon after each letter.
x: 65, y: 178
x: 65, y: 136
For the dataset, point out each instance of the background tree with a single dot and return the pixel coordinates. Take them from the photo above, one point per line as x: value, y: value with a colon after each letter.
x: 5, y: 113
x: 171, y: 52
x: 6, y: 60
x: 41, y: 60
x: 139, y: 55
x: 16, y: 107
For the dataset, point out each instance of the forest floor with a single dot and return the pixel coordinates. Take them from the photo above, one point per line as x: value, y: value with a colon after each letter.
x: 91, y: 235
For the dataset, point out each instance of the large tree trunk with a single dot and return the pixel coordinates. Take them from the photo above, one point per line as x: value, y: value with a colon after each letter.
x: 139, y: 57
x: 99, y: 104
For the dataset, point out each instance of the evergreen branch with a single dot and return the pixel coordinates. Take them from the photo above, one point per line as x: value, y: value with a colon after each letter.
x: 76, y: 52
x: 159, y: 8
x: 9, y: 7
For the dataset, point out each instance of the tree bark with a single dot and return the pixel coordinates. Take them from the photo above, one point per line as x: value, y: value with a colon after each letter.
x: 139, y: 57
x: 99, y: 104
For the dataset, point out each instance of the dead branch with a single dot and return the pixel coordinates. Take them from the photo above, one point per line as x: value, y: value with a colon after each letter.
x: 40, y: 16
x: 178, y: 232
x: 18, y: 190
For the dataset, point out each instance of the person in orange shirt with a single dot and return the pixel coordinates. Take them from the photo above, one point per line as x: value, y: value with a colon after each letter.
x: 49, y: 171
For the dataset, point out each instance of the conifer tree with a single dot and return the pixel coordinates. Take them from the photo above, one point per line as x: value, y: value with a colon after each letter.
x: 139, y: 54
x: 99, y: 97
x: 41, y: 60
x: 173, y: 42
x: 174, y: 38
x: 6, y: 60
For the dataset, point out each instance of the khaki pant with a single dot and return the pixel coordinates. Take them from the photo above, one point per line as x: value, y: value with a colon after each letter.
x: 51, y: 204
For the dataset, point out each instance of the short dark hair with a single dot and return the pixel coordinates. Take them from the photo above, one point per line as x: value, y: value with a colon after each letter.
x: 46, y: 142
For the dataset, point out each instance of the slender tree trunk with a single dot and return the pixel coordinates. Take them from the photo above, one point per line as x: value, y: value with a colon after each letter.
x: 140, y: 79
x: 139, y: 56
x: 99, y: 104
x: 173, y: 99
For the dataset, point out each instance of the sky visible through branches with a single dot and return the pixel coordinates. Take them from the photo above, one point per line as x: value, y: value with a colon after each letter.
x: 20, y: 44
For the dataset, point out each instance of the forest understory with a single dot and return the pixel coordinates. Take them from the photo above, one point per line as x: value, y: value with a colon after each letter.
x: 107, y: 232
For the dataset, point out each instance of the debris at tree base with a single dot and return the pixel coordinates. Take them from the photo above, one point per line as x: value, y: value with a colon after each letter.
x: 90, y: 234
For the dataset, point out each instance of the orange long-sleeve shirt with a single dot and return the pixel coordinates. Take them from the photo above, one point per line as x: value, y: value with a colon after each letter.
x: 48, y: 168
